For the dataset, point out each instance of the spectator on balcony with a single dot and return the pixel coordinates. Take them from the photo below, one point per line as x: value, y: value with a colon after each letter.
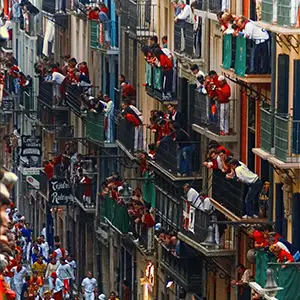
x: 245, y: 275
x: 197, y: 22
x: 164, y: 41
x: 105, y: 21
x: 192, y: 195
x: 176, y: 8
x: 181, y: 19
x: 223, y: 94
x: 122, y: 79
x: 83, y: 69
x: 227, y: 21
x: 175, y: 115
x: 62, y: 82
x: 225, y: 158
x: 48, y: 169
x: 244, y: 175
x: 260, y: 50
x: 166, y: 64
x: 109, y: 119
x: 200, y: 78
x: 135, y: 117
x: 153, y: 43
x: 281, y: 255
x: 214, y: 160
x: 14, y: 71
x: 128, y: 92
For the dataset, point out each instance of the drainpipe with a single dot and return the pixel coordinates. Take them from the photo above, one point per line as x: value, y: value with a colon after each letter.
x: 272, y: 109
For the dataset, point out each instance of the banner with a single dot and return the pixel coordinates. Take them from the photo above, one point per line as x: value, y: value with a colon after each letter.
x: 240, y: 56
x: 31, y: 148
x: 227, y: 51
x: 60, y: 192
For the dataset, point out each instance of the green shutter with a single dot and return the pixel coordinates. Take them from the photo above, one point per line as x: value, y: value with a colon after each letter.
x: 148, y: 74
x: 227, y: 51
x: 157, y: 78
x: 149, y: 193
x: 284, y: 13
x: 267, y: 11
x: 94, y: 34
x: 240, y: 56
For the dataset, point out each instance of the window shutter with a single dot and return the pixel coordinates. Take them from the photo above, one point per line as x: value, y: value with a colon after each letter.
x: 283, y: 83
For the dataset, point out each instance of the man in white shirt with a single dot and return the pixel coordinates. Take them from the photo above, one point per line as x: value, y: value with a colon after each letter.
x: 19, y: 274
x: 109, y: 114
x: 245, y: 274
x: 89, y: 287
x: 260, y: 51
x: 255, y: 185
x: 65, y: 274
x: 181, y: 18
x: 44, y: 246
x: 192, y: 195
x: 200, y: 77
x: 72, y: 263
x: 60, y: 81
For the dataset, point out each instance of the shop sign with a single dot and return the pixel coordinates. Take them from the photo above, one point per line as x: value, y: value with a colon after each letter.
x: 60, y: 192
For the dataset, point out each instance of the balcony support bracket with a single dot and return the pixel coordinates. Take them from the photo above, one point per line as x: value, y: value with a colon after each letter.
x: 287, y: 41
x: 287, y: 172
x: 214, y: 266
x: 249, y: 90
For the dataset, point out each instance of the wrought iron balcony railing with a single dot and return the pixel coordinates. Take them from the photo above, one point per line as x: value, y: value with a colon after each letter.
x: 126, y: 135
x: 205, y: 116
x: 86, y: 194
x: 49, y: 6
x: 265, y: 129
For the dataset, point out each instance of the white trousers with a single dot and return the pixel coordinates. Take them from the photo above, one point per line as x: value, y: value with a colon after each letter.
x: 138, y: 138
x: 224, y: 115
x: 89, y: 296
x: 18, y: 288
x: 28, y: 251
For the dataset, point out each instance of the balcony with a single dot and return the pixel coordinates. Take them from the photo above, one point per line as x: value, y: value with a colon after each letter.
x: 74, y: 98
x: 186, y: 49
x: 287, y: 139
x: 154, y: 84
x: 95, y: 127
x: 29, y: 24
x: 265, y: 129
x: 143, y: 237
x: 169, y: 157
x: 228, y: 193
x: 126, y: 136
x: 288, y: 277
x: 211, y: 6
x: 237, y: 60
x: 86, y: 195
x: 205, y: 123
x: 116, y: 215
x: 283, y: 13
x: 185, y: 270
x: 49, y: 6
x: 104, y: 36
x: 197, y: 233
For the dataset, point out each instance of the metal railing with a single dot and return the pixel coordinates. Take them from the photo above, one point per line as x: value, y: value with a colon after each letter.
x: 95, y: 127
x: 199, y: 229
x: 287, y: 138
x: 265, y: 129
x: 49, y: 6
x: 203, y: 115
x: 154, y: 83
x: 86, y: 194
x: 104, y: 35
x: 229, y: 193
x: 144, y: 234
x: 126, y: 134
x: 179, y: 159
x: 46, y: 92
x: 187, y: 268
x: 74, y: 98
x: 187, y: 30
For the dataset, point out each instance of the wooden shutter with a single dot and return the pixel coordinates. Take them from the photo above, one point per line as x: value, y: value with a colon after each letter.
x: 283, y: 83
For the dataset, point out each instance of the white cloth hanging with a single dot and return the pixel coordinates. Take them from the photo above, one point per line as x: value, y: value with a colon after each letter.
x: 48, y: 36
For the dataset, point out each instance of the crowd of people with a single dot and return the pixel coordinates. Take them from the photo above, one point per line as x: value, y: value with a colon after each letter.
x: 139, y: 210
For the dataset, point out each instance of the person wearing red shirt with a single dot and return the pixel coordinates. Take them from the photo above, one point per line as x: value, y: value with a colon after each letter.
x: 211, y: 84
x: 84, y: 70
x: 48, y: 169
x: 281, y: 255
x: 167, y: 72
x: 259, y: 239
x: 223, y: 94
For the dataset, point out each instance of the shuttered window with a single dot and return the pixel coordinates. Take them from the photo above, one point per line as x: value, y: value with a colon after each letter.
x: 283, y: 84
x: 94, y: 34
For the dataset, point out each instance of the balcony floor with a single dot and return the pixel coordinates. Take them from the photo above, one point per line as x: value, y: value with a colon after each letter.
x: 213, y: 136
x: 251, y: 78
x: 275, y: 161
x: 89, y: 210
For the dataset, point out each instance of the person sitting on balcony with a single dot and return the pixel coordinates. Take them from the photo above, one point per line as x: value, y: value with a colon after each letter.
x: 260, y: 51
x: 175, y: 115
x: 166, y: 64
x: 200, y: 78
x: 244, y: 175
x: 164, y: 41
x: 223, y: 94
x: 109, y: 119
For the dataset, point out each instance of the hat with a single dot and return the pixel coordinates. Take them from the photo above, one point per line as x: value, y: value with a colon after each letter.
x: 221, y: 78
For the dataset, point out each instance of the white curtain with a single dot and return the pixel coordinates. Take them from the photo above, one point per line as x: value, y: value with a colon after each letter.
x: 48, y: 36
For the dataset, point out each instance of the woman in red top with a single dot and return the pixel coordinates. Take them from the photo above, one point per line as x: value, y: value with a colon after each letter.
x: 281, y: 255
x: 167, y: 72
